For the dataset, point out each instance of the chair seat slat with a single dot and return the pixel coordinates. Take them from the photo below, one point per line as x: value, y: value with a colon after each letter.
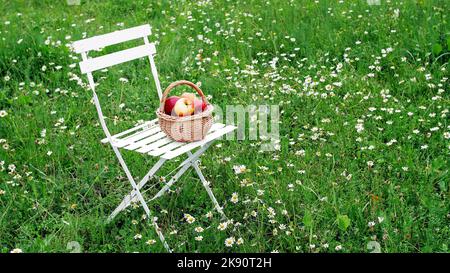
x: 145, y: 126
x: 145, y: 141
x: 153, y: 142
x: 154, y: 145
x: 165, y: 149
x: 192, y: 145
x: 130, y: 140
x: 171, y: 146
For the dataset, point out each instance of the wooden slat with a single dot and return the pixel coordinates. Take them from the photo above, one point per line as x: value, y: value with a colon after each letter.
x: 166, y: 148
x: 193, y: 145
x: 161, y: 149
x: 148, y: 124
x: 111, y: 38
x: 171, y: 146
x: 151, y: 146
x: 145, y: 141
x: 127, y: 136
x: 215, y: 127
x: 130, y: 140
x: 154, y: 145
x: 118, y: 57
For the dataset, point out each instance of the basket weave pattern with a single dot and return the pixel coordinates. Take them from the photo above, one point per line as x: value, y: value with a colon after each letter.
x: 188, y: 128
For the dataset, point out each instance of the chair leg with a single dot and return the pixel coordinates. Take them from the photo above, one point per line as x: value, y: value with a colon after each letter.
x: 149, y: 215
x: 136, y: 194
x: 141, y: 198
x: 184, y: 166
x: 132, y: 196
x: 208, y: 189
x: 171, y: 182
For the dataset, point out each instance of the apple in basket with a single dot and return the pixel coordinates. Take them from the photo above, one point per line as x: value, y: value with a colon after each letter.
x: 199, y: 106
x: 184, y: 107
x: 170, y: 104
x: 189, y: 96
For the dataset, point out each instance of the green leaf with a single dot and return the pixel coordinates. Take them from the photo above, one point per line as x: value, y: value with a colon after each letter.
x: 437, y: 48
x: 448, y: 43
x: 343, y: 222
x: 307, y: 219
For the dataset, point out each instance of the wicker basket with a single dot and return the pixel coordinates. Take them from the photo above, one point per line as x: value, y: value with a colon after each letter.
x: 189, y: 128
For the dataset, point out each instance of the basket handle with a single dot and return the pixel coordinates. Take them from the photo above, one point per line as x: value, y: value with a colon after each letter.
x: 177, y: 83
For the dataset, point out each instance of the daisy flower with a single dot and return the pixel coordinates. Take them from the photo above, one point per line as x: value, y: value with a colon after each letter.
x: 238, y: 169
x: 229, y: 242
x: 234, y: 198
x: 222, y: 226
x: 199, y: 229
x: 189, y: 218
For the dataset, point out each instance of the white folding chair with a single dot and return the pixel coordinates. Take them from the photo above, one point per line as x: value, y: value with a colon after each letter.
x: 146, y: 138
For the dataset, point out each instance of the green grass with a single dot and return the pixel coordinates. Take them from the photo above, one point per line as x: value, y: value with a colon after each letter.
x: 325, y: 200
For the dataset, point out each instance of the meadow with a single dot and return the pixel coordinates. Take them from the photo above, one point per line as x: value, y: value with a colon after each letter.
x: 363, y: 160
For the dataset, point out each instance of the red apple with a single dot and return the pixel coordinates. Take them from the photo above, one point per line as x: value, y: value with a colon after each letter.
x: 184, y: 107
x: 199, y: 106
x: 170, y: 103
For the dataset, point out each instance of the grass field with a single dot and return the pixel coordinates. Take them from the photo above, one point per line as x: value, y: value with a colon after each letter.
x: 363, y: 92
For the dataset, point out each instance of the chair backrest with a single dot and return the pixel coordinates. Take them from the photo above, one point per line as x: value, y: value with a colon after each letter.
x: 89, y: 65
